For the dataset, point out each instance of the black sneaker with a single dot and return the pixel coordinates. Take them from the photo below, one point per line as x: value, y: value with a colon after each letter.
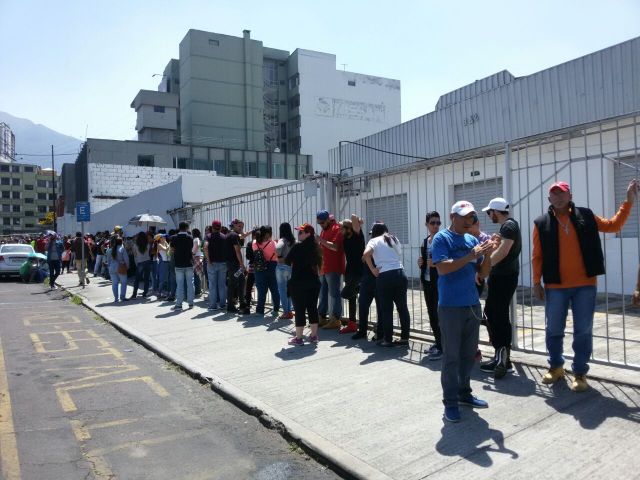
x: 358, y: 335
x: 502, y: 359
x: 488, y: 366
x: 403, y: 342
x: 246, y: 311
x: 232, y: 310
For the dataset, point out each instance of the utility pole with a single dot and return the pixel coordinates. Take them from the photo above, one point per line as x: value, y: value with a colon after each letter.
x: 53, y: 189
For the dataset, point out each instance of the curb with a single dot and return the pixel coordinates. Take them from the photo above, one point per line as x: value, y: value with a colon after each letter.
x: 339, y: 461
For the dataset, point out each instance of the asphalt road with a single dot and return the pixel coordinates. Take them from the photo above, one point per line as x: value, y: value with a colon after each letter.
x: 79, y: 400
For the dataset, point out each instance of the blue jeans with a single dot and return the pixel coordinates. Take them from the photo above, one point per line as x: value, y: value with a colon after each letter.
x: 155, y: 283
x: 117, y: 278
x: 172, y: 279
x: 182, y: 275
x: 266, y: 280
x: 163, y: 268
x: 283, y: 274
x: 583, y: 304
x: 217, y: 275
x: 196, y: 284
x: 392, y: 289
x: 330, y: 288
x: 143, y: 270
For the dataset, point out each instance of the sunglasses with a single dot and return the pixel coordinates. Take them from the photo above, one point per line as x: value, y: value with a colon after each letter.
x: 489, y: 212
x: 435, y: 222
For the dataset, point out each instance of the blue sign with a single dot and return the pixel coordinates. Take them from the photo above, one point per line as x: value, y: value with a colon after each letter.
x: 83, y: 212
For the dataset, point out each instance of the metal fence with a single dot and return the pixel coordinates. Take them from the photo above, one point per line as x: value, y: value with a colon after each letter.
x: 597, y: 160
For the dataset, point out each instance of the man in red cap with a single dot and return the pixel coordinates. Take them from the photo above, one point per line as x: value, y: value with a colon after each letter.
x: 568, y: 257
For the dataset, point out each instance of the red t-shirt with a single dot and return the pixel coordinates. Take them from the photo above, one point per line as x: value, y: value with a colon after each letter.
x: 333, y: 262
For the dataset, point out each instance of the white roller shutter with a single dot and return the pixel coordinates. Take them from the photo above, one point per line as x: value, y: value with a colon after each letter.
x: 393, y: 211
x: 479, y: 193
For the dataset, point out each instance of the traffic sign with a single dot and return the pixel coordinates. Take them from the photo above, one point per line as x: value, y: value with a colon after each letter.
x: 83, y: 212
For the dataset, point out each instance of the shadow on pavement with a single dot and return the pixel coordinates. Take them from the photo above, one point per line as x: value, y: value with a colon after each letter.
x: 465, y: 440
x: 297, y: 353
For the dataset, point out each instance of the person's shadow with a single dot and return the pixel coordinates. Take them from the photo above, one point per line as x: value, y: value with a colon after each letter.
x: 296, y: 352
x: 468, y: 439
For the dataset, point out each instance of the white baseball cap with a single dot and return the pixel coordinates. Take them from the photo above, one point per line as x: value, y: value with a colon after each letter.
x: 463, y: 208
x: 497, y: 203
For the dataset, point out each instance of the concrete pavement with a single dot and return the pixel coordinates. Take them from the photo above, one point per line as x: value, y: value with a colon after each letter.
x: 377, y: 413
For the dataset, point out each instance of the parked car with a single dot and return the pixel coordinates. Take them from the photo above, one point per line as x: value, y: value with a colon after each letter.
x: 12, y: 256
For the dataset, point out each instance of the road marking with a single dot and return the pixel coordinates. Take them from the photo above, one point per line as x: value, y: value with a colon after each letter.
x: 8, y: 442
x: 108, y: 351
x: 71, y: 340
x: 29, y: 321
x: 116, y: 369
x: 68, y: 404
x: 83, y: 432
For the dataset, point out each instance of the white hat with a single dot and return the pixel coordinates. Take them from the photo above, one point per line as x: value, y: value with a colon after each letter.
x: 497, y: 203
x: 463, y: 208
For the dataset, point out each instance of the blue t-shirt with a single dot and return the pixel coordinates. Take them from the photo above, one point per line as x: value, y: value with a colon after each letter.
x: 456, y: 289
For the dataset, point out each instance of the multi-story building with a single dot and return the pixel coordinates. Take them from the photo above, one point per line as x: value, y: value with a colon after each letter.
x: 233, y: 92
x: 26, y: 195
x: 7, y: 144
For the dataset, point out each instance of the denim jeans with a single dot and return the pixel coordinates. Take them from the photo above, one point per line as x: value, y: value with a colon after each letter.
x: 197, y: 286
x: 143, y: 272
x: 460, y: 327
x: 217, y: 275
x: 184, y: 275
x: 330, y: 284
x: 366, y: 296
x: 121, y: 279
x: 163, y: 268
x: 172, y: 279
x: 155, y: 281
x: 583, y: 304
x: 266, y: 280
x: 98, y: 265
x: 283, y: 274
x: 392, y: 289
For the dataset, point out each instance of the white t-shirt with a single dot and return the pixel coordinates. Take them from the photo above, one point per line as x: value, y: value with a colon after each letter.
x: 386, y: 258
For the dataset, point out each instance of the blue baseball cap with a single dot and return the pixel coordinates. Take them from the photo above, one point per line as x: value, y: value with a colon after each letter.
x: 322, y: 215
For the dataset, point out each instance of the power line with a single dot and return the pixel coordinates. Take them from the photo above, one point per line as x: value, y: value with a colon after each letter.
x: 44, y: 154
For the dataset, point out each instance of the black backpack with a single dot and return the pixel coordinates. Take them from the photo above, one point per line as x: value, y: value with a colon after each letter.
x: 259, y: 262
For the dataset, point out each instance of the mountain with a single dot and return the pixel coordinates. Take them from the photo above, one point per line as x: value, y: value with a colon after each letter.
x: 33, y: 138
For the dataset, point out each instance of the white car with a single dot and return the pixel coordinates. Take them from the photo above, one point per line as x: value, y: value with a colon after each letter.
x: 12, y: 256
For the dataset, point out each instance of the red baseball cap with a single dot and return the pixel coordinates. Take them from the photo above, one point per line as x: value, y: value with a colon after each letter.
x: 216, y: 224
x: 306, y: 228
x: 562, y: 186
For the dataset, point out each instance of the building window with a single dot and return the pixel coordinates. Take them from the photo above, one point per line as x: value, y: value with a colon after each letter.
x: 52, y: 196
x: 4, y: 168
x: 283, y: 102
x: 295, y: 122
x: 283, y: 130
x: 296, y: 143
x: 6, y: 208
x: 16, y: 220
x: 6, y: 221
x: 29, y: 213
x: 294, y: 81
x: 393, y: 211
x: 5, y: 181
x: 294, y: 102
x: 42, y: 209
x: 28, y: 200
x: 351, y: 83
x: 42, y: 184
x: 480, y: 193
x: 16, y: 208
x: 28, y: 187
x: 235, y: 163
x: 214, y: 43
x: 15, y: 168
x: 158, y: 108
x: 28, y: 169
x: 42, y: 196
x: 15, y: 195
x: 6, y: 194
x: 15, y: 182
x: 146, y: 161
x: 28, y: 225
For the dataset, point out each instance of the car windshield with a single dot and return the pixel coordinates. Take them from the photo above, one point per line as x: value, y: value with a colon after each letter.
x: 16, y: 249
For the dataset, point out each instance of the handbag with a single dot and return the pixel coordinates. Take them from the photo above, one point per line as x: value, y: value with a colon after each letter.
x: 122, y: 268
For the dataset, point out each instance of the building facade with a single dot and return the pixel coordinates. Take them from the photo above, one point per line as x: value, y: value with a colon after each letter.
x: 233, y: 92
x: 27, y: 194
x: 7, y: 144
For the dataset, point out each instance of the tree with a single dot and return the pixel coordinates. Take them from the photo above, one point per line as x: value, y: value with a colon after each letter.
x: 47, y: 219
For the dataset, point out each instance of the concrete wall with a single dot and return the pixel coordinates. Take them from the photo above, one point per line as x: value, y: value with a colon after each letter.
x: 332, y: 110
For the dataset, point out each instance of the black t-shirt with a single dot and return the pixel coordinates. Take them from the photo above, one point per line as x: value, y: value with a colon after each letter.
x: 217, y: 248
x: 183, y: 244
x: 510, y: 264
x: 233, y: 239
x: 304, y: 268
x: 353, y: 250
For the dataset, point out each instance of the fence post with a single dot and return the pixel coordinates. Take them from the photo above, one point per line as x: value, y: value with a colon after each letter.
x: 508, y: 192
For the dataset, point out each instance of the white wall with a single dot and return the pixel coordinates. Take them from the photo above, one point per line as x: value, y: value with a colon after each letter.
x: 331, y: 110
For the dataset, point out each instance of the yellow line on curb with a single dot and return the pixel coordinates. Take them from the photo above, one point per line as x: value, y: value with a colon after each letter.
x: 8, y: 443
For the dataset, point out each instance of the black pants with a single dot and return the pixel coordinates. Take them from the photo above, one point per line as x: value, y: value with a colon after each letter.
x: 430, y: 289
x: 496, y: 308
x: 391, y: 288
x: 305, y: 301
x: 54, y: 271
x: 350, y: 293
x: 235, y: 286
x: 65, y: 264
x: 250, y: 282
x: 365, y: 298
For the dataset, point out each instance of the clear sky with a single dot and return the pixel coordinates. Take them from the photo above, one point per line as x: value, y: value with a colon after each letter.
x: 75, y: 66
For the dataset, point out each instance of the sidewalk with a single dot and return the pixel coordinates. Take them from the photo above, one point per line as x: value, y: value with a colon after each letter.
x: 377, y: 413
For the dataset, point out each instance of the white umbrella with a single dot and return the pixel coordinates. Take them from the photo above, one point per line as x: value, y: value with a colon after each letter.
x: 147, y: 219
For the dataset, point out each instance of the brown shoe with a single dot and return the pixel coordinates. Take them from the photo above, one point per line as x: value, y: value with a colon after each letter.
x: 553, y: 375
x: 333, y: 323
x: 322, y: 321
x: 579, y: 383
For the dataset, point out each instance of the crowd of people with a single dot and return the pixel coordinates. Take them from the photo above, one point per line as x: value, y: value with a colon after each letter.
x: 308, y: 278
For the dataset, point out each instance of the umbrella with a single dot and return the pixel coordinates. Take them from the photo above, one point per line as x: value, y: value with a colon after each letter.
x: 145, y: 219
x: 40, y: 256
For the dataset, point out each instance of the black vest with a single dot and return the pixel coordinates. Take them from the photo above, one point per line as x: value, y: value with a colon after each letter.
x: 584, y: 222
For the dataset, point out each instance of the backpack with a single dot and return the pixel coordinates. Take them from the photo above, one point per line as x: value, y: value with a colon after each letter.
x: 259, y: 261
